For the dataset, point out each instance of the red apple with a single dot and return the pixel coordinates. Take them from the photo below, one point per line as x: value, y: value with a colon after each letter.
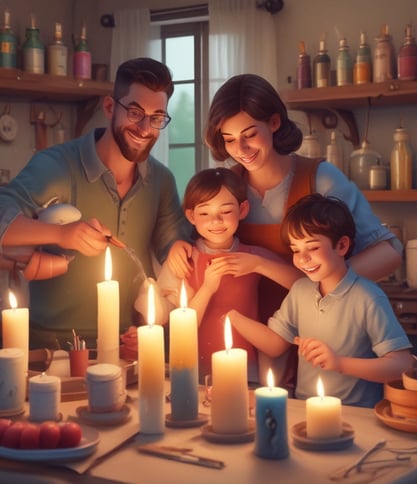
x: 29, y: 438
x: 11, y: 436
x: 4, y: 423
x: 50, y: 435
x: 70, y: 434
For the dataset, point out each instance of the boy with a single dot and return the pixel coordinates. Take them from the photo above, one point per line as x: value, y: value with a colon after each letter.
x: 343, y: 323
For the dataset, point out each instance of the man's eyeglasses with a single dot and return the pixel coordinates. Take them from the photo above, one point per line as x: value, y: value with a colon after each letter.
x: 136, y: 115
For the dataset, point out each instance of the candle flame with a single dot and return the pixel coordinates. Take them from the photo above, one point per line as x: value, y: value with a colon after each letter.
x: 183, y: 295
x: 151, y: 305
x: 320, y: 388
x: 270, y: 379
x: 107, y: 265
x: 12, y: 300
x: 228, y: 338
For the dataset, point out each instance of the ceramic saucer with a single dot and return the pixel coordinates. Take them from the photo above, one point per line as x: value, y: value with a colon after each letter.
x: 181, y: 424
x: 103, y: 418
x: 211, y: 436
x: 301, y: 440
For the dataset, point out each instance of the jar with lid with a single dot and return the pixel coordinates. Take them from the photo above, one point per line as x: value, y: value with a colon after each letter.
x: 344, y: 65
x: 310, y: 147
x: 384, y: 62
x: 401, y: 161
x: 407, y: 57
x: 361, y: 161
x: 105, y: 388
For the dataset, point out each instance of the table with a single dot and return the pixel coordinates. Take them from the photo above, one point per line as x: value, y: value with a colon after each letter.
x: 127, y: 465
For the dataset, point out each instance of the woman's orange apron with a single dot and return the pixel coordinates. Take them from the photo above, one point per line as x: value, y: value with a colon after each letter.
x: 271, y: 294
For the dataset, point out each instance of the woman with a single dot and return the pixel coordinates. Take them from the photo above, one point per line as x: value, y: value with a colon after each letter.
x: 248, y: 122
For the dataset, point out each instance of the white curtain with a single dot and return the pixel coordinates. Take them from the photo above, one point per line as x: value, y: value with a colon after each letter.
x: 242, y: 40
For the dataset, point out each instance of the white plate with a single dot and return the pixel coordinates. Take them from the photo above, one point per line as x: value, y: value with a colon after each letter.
x: 86, y: 447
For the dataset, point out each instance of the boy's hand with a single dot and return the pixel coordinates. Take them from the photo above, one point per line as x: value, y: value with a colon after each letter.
x: 178, y: 259
x: 129, y: 346
x: 317, y: 353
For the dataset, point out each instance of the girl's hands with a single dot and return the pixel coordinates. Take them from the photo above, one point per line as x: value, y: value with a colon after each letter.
x: 215, y: 270
x: 317, y: 353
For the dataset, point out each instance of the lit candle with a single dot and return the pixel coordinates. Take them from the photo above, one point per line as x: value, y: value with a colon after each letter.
x: 151, y: 374
x: 271, y: 438
x: 230, y: 398
x: 13, y: 381
x: 183, y: 360
x: 16, y: 328
x: 108, y: 316
x: 44, y: 397
x: 324, y: 415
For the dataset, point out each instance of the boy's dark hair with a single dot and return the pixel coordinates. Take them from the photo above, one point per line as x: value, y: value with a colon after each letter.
x: 146, y: 71
x: 206, y: 184
x: 318, y: 215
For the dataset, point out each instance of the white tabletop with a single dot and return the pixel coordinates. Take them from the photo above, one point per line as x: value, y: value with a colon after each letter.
x: 127, y: 465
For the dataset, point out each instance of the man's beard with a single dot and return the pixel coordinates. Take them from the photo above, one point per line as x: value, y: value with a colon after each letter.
x: 135, y: 154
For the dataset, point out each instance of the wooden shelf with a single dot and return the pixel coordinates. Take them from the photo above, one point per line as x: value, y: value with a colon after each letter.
x: 387, y: 93
x: 17, y: 85
x: 390, y: 195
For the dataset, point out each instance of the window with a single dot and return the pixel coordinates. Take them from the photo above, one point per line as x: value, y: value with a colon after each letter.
x: 185, y: 52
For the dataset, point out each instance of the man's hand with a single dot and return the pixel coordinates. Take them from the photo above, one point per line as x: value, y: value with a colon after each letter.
x: 89, y: 237
x: 179, y: 259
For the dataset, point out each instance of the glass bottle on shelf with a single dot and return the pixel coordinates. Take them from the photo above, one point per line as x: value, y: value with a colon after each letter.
x: 57, y: 54
x: 401, y: 161
x: 7, y: 43
x: 384, y: 62
x: 407, y: 57
x: 303, y: 68
x: 321, y: 66
x: 334, y: 152
x: 344, y: 65
x: 362, y: 68
x: 33, y: 50
x: 82, y: 57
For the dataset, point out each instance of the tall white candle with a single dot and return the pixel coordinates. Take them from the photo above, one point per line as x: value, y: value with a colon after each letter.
x: 13, y: 381
x: 324, y: 415
x: 151, y: 374
x: 44, y: 397
x: 230, y: 397
x: 16, y: 328
x: 183, y: 360
x: 108, y: 316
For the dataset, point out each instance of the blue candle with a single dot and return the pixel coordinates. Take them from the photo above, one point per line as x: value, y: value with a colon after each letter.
x: 271, y: 439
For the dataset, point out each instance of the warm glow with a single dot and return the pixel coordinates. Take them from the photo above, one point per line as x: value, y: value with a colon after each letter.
x: 107, y: 265
x: 183, y: 296
x: 151, y: 305
x: 320, y: 388
x: 12, y: 300
x: 228, y: 338
x: 270, y: 379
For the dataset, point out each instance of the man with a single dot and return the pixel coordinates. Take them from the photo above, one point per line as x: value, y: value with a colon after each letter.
x: 120, y: 190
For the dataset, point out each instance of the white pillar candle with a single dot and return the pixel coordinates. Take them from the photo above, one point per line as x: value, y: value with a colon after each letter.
x: 230, y: 397
x: 16, y: 328
x: 151, y: 373
x: 324, y: 415
x: 183, y: 361
x: 108, y: 332
x: 12, y: 381
x: 44, y: 397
